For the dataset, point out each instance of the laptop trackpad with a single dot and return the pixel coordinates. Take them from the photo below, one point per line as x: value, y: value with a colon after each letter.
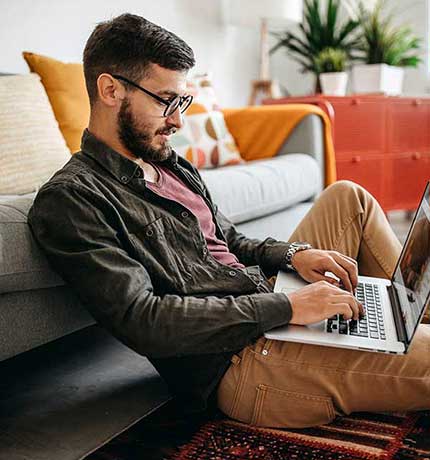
x: 289, y: 282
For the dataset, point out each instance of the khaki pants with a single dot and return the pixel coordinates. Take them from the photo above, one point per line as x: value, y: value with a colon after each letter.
x: 284, y: 384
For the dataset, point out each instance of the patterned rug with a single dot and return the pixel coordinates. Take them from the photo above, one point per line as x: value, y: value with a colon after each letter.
x: 361, y: 436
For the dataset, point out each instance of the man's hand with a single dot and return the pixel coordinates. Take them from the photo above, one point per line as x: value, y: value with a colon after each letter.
x: 312, y: 264
x: 318, y: 301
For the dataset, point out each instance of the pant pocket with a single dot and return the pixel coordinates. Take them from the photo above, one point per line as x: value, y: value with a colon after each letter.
x: 277, y: 408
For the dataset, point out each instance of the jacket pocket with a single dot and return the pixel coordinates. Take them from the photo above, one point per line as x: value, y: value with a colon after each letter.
x: 287, y: 409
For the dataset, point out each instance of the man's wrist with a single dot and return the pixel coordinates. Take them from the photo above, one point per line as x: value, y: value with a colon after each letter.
x: 295, y: 247
x: 289, y: 306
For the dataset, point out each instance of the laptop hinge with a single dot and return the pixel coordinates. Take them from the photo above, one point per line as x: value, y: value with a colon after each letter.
x: 400, y: 326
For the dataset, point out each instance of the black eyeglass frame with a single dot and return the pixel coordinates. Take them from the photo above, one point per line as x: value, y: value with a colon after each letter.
x: 187, y: 100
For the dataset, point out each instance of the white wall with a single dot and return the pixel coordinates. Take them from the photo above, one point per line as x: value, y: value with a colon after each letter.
x: 60, y: 28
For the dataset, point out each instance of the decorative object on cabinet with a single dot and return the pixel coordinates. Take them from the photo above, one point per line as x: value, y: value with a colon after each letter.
x: 386, y: 49
x: 331, y: 66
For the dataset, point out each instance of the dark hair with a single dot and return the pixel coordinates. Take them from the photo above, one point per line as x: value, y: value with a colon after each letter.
x: 127, y: 45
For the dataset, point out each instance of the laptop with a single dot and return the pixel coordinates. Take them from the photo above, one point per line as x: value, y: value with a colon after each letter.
x: 393, y: 308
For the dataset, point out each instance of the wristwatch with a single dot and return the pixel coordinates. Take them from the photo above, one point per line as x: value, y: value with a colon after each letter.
x: 297, y: 246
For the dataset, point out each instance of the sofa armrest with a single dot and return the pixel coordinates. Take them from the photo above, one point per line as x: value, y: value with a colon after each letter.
x: 307, y: 137
x: 265, y: 131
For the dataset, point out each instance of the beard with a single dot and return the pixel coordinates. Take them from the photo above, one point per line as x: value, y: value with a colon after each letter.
x: 137, y: 139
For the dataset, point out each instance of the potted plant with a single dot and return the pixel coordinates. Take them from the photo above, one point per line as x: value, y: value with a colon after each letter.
x: 330, y: 64
x: 386, y: 49
x: 316, y: 33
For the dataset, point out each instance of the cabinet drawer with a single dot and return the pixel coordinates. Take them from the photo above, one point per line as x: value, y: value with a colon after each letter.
x: 364, y: 171
x: 407, y: 175
x: 408, y: 124
x: 359, y: 126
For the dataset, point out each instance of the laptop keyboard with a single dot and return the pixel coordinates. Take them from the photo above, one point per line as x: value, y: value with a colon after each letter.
x: 372, y: 325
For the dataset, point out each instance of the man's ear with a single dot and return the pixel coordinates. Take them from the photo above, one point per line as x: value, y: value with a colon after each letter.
x: 110, y: 90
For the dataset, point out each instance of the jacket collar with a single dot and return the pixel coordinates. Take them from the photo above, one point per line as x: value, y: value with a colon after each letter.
x: 118, y: 165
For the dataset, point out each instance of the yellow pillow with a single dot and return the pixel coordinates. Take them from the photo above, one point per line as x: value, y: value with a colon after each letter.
x: 65, y: 85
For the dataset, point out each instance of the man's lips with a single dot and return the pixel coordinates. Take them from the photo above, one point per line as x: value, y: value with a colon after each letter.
x: 166, y: 134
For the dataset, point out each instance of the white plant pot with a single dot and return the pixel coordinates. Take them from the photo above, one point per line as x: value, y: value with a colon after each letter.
x: 334, y: 83
x: 377, y: 78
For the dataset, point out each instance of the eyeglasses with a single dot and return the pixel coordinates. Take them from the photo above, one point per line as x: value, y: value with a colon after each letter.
x: 181, y: 102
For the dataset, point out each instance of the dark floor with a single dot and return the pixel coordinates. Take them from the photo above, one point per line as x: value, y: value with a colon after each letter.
x: 157, y: 437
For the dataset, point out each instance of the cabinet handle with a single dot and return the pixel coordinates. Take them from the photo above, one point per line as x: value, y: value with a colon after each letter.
x: 416, y: 102
x: 416, y: 156
x: 356, y: 159
x: 355, y: 102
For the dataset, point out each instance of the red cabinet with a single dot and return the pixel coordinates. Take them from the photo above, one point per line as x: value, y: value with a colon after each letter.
x: 381, y: 142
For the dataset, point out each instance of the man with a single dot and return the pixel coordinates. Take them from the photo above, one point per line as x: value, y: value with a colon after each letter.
x: 132, y: 228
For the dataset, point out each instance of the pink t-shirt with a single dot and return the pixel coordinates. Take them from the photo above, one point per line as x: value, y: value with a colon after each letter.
x: 170, y: 186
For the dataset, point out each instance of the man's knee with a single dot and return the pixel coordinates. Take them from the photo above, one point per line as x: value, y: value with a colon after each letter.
x: 349, y: 193
x: 345, y: 186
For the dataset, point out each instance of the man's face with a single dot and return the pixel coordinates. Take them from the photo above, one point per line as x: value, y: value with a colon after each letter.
x: 142, y: 128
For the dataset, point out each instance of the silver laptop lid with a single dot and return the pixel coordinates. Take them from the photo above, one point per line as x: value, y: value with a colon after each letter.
x: 412, y: 275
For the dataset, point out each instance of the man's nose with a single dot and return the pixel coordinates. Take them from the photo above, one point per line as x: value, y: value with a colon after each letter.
x: 176, y: 119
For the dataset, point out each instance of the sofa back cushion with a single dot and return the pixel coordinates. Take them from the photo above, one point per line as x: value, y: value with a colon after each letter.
x: 31, y: 145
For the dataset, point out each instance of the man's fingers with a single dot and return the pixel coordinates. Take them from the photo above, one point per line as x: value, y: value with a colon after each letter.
x: 317, y: 276
x: 342, y: 309
x: 341, y: 273
x: 354, y: 304
x: 350, y: 265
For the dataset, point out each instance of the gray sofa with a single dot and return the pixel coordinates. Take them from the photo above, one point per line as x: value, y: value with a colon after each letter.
x: 67, y: 387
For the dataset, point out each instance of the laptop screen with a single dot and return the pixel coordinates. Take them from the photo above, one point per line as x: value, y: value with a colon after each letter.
x: 412, y: 275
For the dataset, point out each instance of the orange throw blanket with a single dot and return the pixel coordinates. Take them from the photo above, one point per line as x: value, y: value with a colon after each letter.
x: 260, y: 131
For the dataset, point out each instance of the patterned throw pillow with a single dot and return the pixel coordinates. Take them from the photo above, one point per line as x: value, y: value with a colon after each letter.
x: 205, y: 140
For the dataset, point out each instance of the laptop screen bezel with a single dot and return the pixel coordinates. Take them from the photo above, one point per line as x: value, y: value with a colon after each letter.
x: 427, y: 301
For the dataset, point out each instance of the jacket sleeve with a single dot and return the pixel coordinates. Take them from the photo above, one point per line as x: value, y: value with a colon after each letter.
x: 269, y: 254
x: 75, y: 228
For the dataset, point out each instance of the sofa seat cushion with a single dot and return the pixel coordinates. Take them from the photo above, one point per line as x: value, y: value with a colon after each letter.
x: 261, y: 187
x: 22, y: 264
